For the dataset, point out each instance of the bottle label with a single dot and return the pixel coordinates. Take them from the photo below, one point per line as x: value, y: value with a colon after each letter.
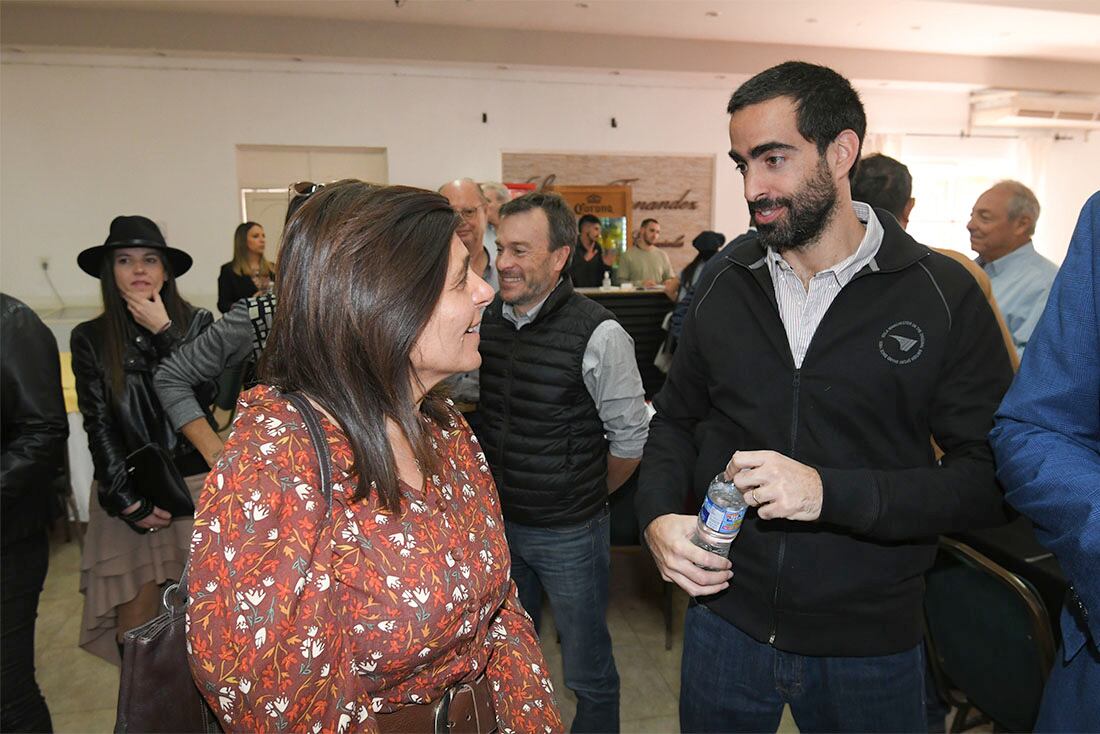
x: 721, y: 520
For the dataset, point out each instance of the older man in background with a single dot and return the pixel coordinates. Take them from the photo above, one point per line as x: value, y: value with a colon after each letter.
x: 1001, y: 225
x: 471, y: 205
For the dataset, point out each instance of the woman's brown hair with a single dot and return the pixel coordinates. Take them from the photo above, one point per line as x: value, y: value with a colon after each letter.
x: 240, y: 252
x: 361, y: 270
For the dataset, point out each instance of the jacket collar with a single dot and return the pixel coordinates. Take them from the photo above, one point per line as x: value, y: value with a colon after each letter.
x: 898, y: 251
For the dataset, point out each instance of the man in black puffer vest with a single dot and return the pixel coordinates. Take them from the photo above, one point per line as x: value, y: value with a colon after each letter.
x: 563, y: 423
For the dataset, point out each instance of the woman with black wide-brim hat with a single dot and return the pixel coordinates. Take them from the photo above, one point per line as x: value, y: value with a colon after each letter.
x: 132, y: 546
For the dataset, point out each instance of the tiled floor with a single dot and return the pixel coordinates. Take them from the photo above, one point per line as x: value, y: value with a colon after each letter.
x: 81, y: 690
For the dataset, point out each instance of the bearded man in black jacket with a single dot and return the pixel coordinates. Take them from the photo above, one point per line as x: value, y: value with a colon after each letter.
x: 815, y: 365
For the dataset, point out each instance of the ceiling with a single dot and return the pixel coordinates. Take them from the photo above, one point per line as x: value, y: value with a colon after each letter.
x: 1067, y: 30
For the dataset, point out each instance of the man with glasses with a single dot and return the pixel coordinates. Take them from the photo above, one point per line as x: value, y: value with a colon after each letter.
x: 472, y: 208
x: 470, y: 204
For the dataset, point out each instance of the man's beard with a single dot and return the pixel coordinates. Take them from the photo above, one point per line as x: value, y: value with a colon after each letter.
x: 808, y: 212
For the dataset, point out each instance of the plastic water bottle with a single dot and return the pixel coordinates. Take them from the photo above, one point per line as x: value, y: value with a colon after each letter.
x: 720, y: 517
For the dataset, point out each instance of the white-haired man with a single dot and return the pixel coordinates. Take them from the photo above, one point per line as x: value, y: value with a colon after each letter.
x: 1001, y: 225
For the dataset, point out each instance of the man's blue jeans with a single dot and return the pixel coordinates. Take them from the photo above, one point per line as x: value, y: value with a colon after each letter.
x: 572, y: 564
x: 729, y: 682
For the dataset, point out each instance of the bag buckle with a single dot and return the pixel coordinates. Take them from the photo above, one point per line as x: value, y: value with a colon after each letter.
x: 173, y: 594
x: 443, y: 710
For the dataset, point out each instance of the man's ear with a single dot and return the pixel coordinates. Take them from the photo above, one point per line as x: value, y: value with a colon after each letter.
x: 1022, y: 226
x: 561, y: 257
x: 844, y: 152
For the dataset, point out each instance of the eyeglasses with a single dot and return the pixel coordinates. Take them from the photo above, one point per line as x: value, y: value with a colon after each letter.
x: 469, y: 213
x: 304, y: 188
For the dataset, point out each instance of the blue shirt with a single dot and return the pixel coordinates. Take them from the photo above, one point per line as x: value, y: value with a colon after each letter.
x: 1047, y: 434
x: 1021, y: 282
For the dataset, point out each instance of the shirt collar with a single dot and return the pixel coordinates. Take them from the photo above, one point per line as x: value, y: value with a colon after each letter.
x: 1006, y: 262
x: 847, y: 268
x: 521, y: 320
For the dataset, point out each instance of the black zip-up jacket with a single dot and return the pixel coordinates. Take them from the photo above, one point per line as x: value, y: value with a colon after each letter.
x: 909, y: 350
x: 119, y: 425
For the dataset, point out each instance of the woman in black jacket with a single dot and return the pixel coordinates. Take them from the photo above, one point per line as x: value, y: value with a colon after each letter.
x: 131, y: 545
x: 249, y: 273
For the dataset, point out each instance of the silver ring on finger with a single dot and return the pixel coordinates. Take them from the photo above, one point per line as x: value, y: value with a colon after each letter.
x: 753, y: 501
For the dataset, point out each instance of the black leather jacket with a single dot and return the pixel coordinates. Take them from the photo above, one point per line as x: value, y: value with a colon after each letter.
x: 34, y: 421
x: 119, y: 425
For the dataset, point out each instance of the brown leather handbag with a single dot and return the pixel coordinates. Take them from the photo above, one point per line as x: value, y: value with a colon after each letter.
x: 156, y: 692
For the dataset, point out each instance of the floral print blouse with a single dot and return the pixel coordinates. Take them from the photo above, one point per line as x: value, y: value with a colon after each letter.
x: 307, y: 621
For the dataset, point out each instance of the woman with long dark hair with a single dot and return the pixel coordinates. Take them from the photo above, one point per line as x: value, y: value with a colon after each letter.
x: 393, y: 605
x: 132, y: 546
x: 249, y: 273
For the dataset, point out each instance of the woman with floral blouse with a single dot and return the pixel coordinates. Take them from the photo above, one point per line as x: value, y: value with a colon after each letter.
x: 395, y: 605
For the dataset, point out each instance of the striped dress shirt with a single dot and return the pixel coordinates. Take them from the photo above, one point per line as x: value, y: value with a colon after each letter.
x: 801, y: 309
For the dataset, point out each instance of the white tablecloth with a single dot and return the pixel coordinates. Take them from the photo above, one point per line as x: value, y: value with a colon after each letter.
x: 81, y: 470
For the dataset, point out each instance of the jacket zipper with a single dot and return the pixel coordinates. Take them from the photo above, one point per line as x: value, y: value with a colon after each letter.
x: 795, y: 385
x: 794, y: 429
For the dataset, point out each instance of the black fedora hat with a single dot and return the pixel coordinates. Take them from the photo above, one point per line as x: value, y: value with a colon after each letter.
x: 133, y: 231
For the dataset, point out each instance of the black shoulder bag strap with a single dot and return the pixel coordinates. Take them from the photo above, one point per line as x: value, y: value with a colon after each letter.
x: 320, y: 444
x: 175, y: 597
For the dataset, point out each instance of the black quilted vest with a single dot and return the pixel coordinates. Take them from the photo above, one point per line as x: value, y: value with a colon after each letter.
x: 540, y: 430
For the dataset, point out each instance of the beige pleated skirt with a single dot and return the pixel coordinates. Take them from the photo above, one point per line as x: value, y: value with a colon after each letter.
x: 117, y: 562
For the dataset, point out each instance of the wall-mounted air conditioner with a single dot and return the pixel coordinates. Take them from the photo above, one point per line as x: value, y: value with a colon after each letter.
x: 1008, y: 108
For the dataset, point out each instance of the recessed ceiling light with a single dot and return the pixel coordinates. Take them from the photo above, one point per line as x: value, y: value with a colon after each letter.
x: 713, y: 13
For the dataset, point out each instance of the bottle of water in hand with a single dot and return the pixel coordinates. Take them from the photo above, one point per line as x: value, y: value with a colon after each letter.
x: 720, y: 517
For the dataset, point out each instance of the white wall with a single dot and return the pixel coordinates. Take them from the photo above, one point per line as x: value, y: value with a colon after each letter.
x: 1074, y: 175
x: 83, y: 139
